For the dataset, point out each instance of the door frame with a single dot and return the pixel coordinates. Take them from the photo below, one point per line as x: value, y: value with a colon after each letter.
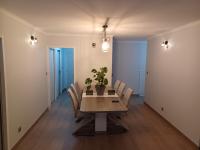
x: 48, y: 68
x: 55, y: 50
x: 63, y: 66
x: 51, y: 49
x: 59, y: 51
x: 57, y: 72
x: 3, y: 96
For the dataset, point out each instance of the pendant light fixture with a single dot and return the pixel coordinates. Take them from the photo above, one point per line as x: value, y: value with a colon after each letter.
x: 105, y: 43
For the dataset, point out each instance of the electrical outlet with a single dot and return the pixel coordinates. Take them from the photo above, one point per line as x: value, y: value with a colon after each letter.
x: 19, y: 129
x: 162, y: 109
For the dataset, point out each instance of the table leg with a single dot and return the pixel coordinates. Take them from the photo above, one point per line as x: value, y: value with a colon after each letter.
x: 100, y: 122
x: 115, y: 125
x: 85, y: 128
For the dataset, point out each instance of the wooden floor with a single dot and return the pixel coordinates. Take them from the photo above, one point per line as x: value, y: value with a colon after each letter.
x: 147, y: 131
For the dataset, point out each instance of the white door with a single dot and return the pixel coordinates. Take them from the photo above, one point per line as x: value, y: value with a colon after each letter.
x: 52, y: 74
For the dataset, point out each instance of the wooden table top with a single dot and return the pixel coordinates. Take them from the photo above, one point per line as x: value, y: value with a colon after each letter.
x: 102, y: 104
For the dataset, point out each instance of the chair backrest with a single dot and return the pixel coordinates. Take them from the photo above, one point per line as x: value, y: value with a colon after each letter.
x: 78, y: 88
x: 127, y: 96
x: 116, y: 86
x: 121, y: 89
x: 74, y: 101
x: 76, y: 93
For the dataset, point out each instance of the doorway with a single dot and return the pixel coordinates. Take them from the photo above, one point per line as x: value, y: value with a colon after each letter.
x: 67, y: 67
x: 61, y: 62
x: 129, y: 64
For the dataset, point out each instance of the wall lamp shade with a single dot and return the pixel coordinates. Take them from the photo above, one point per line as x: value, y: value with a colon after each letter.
x: 105, y: 45
x: 33, y: 40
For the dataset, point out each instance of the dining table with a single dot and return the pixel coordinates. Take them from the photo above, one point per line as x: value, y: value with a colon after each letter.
x: 104, y: 107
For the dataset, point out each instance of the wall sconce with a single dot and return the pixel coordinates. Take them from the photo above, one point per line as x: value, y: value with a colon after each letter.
x: 33, y: 40
x: 165, y: 44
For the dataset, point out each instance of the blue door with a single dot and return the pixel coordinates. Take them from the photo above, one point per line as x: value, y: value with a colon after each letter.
x: 67, y: 67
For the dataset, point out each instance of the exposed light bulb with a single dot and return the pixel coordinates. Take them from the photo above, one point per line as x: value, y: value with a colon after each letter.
x: 165, y: 44
x: 33, y: 40
x: 105, y: 45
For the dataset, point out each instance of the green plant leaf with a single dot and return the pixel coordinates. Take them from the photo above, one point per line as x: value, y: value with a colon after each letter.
x: 99, y: 76
x: 105, y: 81
x: 94, y: 71
x: 88, y: 81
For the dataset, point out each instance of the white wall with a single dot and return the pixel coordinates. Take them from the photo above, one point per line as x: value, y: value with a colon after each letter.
x: 129, y: 61
x: 85, y: 56
x: 174, y: 78
x: 25, y: 67
x: 1, y: 24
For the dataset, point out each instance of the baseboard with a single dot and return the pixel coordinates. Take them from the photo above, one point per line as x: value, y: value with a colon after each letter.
x: 29, y: 129
x: 172, y: 126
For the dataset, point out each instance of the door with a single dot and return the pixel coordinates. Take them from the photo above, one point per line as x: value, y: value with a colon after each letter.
x: 52, y: 74
x: 67, y: 67
x: 129, y: 61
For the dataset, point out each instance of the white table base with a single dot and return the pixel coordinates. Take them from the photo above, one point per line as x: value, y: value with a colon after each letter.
x: 100, y: 122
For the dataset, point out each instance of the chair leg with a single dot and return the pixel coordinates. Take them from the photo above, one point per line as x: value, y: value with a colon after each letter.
x: 85, y: 116
x: 115, y: 126
x: 79, y: 119
x: 85, y: 128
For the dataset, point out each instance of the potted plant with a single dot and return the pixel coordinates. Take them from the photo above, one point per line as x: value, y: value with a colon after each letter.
x: 88, y: 83
x: 101, y: 80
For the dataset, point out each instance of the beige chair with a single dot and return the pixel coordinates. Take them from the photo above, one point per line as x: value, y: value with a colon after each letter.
x: 116, y: 86
x: 78, y: 89
x: 127, y: 96
x: 125, y: 99
x: 86, y: 121
x: 76, y: 93
x: 74, y: 102
x: 121, y: 89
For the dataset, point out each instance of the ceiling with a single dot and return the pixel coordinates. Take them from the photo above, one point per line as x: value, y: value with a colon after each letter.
x: 128, y: 18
